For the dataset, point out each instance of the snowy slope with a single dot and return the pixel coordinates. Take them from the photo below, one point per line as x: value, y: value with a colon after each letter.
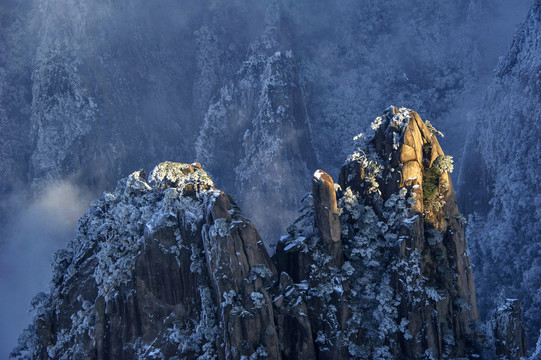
x: 500, y: 178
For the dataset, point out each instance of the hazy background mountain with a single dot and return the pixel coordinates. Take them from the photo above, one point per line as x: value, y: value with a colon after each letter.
x: 500, y: 179
x: 262, y: 93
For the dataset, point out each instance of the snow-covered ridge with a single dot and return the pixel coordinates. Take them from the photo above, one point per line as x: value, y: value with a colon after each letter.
x: 170, y: 268
x: 144, y: 273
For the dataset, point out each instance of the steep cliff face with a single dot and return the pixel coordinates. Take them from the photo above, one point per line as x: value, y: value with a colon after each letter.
x: 95, y: 89
x: 509, y: 335
x: 260, y: 128
x: 159, y: 269
x: 499, y: 182
x: 392, y: 278
x: 117, y: 84
x: 168, y: 267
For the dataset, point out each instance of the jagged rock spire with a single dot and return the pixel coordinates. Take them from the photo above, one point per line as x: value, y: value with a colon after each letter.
x: 169, y: 267
x: 326, y: 218
x: 159, y: 268
x: 509, y: 334
x: 412, y: 159
x: 404, y: 287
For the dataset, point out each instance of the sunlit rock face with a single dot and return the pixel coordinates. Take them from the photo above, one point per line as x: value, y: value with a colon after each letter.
x: 401, y: 284
x: 167, y: 267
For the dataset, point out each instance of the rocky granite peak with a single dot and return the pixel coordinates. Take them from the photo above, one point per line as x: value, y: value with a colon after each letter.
x: 413, y: 160
x: 168, y: 268
x: 164, y: 268
x: 326, y: 218
x: 401, y: 285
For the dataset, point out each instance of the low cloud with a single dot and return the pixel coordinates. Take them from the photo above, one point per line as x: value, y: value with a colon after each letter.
x: 34, y: 231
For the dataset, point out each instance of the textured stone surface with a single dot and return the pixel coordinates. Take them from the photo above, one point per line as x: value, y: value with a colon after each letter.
x: 401, y: 246
x: 326, y: 218
x: 509, y: 334
x: 170, y: 267
x: 162, y: 269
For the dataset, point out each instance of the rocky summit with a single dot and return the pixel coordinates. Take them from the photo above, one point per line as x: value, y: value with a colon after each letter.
x: 375, y: 267
x: 390, y: 278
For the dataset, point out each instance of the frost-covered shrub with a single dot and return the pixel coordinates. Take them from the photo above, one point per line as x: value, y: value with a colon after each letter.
x: 68, y: 342
x: 28, y: 345
x: 431, y: 182
x: 367, y: 247
x: 261, y: 271
x: 197, y: 336
x: 401, y: 119
x: 197, y: 260
x: 348, y: 201
x: 432, y: 129
x: 220, y: 228
x: 260, y: 353
x: 258, y: 299
x: 434, y: 189
x: 433, y: 236
x: 372, y: 169
x: 433, y: 294
x: 443, y: 164
x: 61, y: 260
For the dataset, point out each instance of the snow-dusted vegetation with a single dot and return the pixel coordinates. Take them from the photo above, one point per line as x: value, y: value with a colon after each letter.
x: 499, y: 180
x: 397, y: 263
x: 262, y: 93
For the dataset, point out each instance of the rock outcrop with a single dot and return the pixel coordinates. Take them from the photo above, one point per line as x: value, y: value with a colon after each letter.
x: 326, y: 218
x: 89, y: 92
x: 403, y: 286
x: 509, y: 334
x: 168, y: 268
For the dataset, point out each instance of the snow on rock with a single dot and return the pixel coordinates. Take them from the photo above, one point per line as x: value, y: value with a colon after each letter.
x: 170, y: 268
x: 260, y: 116
x: 508, y: 329
x: 400, y: 284
x: 141, y: 278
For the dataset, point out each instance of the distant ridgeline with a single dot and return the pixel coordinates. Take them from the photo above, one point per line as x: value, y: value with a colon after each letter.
x: 375, y: 267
